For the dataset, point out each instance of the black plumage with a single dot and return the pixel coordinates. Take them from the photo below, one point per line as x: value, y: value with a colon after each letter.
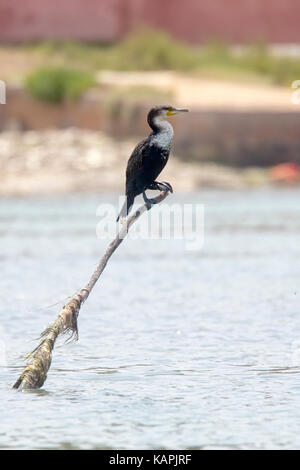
x: 149, y: 158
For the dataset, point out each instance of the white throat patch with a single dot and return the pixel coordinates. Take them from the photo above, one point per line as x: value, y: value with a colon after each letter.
x: 164, y: 137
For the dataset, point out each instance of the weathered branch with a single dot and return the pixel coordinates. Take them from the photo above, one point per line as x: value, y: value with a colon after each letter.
x: 35, y: 372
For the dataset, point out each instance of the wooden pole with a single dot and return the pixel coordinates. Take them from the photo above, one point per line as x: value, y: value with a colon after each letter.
x: 35, y: 372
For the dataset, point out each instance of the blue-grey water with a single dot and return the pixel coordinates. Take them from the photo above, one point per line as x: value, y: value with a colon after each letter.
x: 177, y: 348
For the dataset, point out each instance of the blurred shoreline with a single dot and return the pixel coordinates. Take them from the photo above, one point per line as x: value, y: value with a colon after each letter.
x: 242, y: 122
x: 74, y: 160
x: 245, y: 128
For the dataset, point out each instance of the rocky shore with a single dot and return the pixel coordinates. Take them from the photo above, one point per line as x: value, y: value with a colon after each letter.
x: 70, y: 160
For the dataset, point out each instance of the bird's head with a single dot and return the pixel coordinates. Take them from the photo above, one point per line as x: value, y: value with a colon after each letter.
x: 160, y: 113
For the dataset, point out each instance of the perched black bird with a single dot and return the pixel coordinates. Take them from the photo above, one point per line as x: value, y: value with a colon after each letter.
x: 149, y: 158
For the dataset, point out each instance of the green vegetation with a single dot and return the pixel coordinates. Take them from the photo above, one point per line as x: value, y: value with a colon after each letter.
x: 58, y: 84
x: 148, y: 50
x: 151, y: 50
x: 142, y: 50
x: 253, y: 61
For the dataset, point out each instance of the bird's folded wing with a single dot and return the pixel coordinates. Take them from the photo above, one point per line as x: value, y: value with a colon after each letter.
x: 137, y: 159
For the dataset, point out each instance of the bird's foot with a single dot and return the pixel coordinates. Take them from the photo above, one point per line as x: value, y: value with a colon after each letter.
x: 161, y: 186
x: 167, y: 186
x: 148, y: 202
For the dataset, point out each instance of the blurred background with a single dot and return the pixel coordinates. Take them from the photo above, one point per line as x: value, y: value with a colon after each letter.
x: 178, y: 348
x: 90, y: 70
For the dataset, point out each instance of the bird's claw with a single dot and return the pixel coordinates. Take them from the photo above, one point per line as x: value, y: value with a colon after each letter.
x: 161, y: 186
x: 167, y: 186
x: 148, y: 204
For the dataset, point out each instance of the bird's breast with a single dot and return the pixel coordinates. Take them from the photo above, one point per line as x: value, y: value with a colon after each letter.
x: 162, y: 140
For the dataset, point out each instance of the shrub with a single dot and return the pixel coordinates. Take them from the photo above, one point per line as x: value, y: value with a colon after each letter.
x: 58, y: 84
x: 152, y: 50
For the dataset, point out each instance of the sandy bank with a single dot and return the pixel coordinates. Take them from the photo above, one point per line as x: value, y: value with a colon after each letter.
x: 62, y: 161
x: 207, y: 93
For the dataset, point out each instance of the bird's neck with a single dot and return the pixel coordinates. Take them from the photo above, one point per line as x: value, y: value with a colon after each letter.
x: 162, y: 136
x: 161, y: 126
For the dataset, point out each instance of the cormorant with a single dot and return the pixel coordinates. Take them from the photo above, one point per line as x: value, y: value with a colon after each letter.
x: 149, y: 158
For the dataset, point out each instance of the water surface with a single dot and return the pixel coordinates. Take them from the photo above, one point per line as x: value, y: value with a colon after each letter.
x: 177, y: 348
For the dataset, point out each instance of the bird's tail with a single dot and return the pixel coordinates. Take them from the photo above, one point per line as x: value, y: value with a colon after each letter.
x: 126, y: 207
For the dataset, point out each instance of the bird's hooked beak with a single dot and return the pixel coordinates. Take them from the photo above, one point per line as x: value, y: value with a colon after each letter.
x: 173, y: 111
